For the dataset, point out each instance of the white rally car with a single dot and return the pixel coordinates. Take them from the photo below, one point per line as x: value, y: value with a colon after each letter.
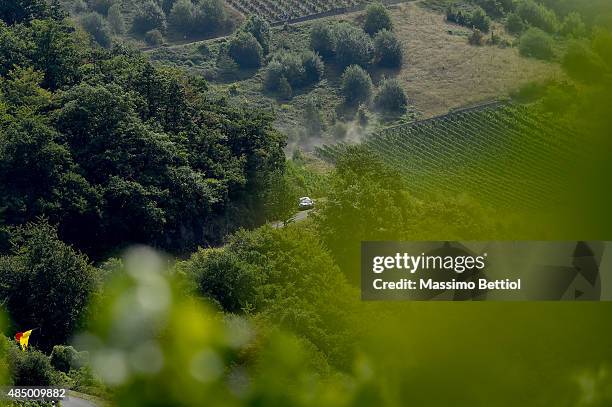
x: 305, y: 203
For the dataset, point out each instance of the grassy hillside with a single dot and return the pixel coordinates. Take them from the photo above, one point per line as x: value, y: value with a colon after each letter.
x: 445, y: 72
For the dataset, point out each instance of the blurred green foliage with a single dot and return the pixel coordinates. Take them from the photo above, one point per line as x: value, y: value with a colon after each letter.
x: 155, y: 346
x: 537, y: 44
x: 589, y: 63
x: 537, y: 15
x: 65, y: 358
x: 269, y: 273
x: 365, y: 188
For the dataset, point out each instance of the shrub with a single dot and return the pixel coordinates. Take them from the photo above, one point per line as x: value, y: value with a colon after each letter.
x: 356, y: 85
x: 582, y: 64
x: 537, y: 15
x: 507, y: 5
x: 313, y: 122
x: 115, y: 19
x: 298, y: 70
x: 31, y: 368
x: 166, y: 5
x: 377, y: 18
x: 95, y: 25
x: 149, y: 17
x: 601, y: 42
x: 388, y: 50
x: 86, y: 382
x: 457, y: 16
x: 66, y: 358
x: 285, y: 91
x: 480, y: 20
x: 260, y: 29
x: 573, y: 26
x: 495, y: 39
x: 226, y: 67
x: 313, y: 67
x: 182, y: 16
x: 322, y: 39
x: 514, y: 24
x: 78, y: 7
x: 298, y: 155
x: 274, y: 73
x: 295, y: 298
x: 154, y: 38
x: 222, y: 277
x: 203, y: 49
x: 339, y: 130
x: 293, y: 69
x: 537, y: 44
x: 209, y: 16
x: 353, y: 46
x: 495, y: 8
x: 476, y: 37
x: 233, y: 90
x: 245, y: 50
x: 101, y: 6
x: 61, y: 357
x: 362, y: 115
x: 391, y: 97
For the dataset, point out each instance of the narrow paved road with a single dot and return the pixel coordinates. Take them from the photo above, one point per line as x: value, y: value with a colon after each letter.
x: 72, y: 401
x: 298, y: 217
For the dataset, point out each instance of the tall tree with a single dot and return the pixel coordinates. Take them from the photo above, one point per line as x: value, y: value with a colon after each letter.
x: 18, y: 11
x: 45, y: 284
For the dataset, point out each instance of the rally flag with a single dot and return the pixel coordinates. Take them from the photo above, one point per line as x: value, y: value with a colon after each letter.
x: 23, y: 338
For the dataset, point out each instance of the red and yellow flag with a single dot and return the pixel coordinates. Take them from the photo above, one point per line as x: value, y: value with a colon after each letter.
x: 22, y: 338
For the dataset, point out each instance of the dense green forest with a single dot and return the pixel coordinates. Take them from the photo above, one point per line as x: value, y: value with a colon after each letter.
x: 115, y: 151
x: 137, y: 203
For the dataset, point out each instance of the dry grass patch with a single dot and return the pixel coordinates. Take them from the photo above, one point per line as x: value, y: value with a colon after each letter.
x: 442, y: 71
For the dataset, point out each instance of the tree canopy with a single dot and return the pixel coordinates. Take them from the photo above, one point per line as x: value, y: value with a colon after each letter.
x: 39, y: 268
x: 377, y: 18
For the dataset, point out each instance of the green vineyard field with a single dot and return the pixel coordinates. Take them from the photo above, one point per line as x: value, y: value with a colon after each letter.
x: 283, y: 10
x: 504, y: 155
